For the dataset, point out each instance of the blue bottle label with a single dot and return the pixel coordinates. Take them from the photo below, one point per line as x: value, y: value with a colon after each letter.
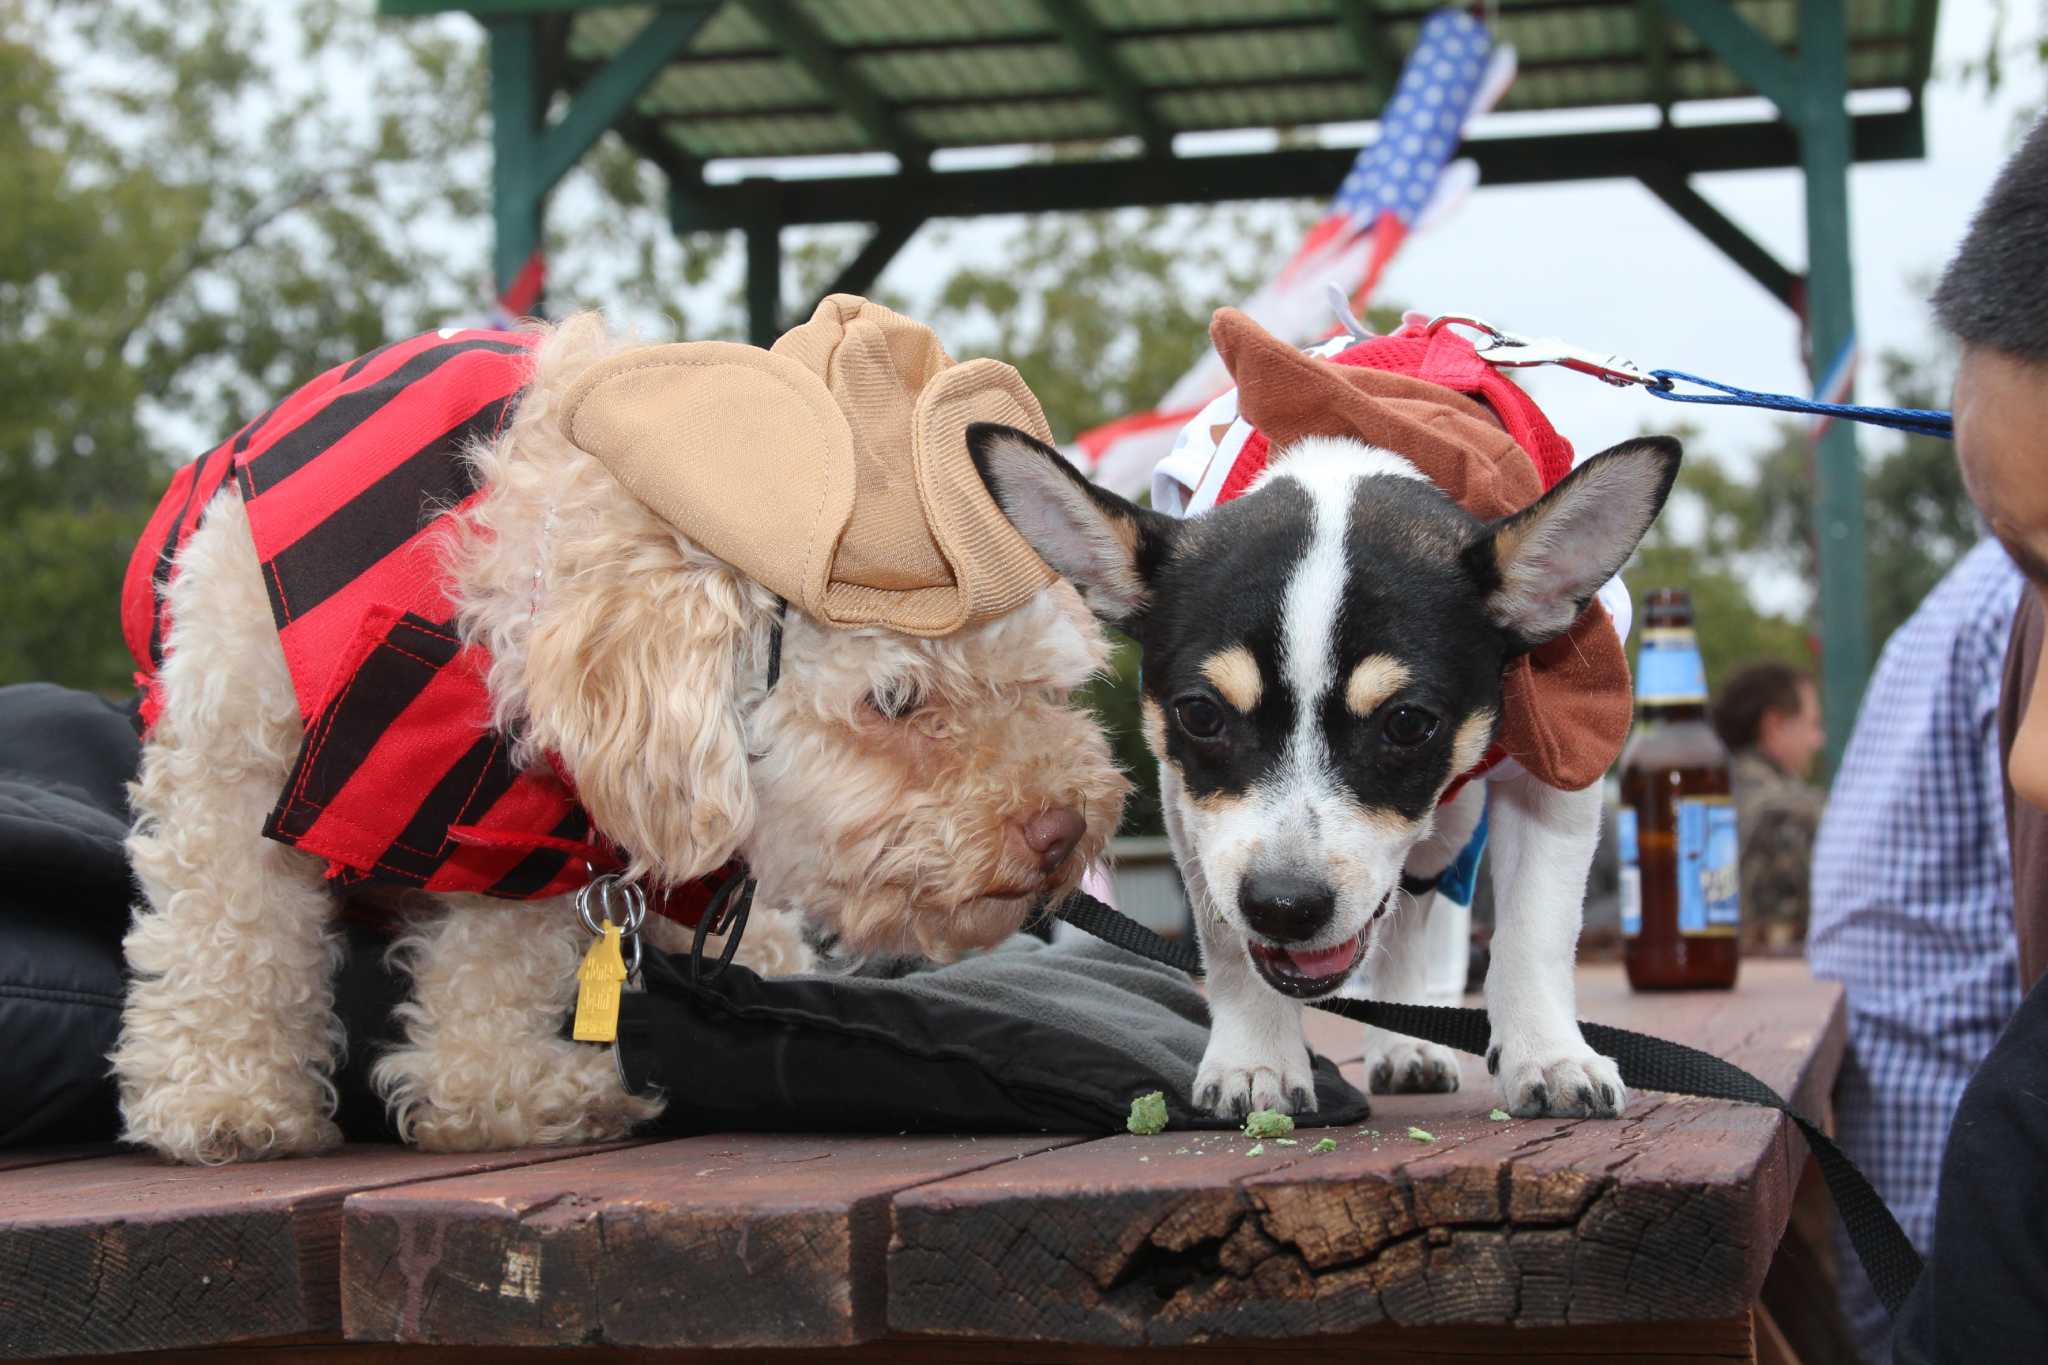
x: 1708, y: 879
x: 1668, y: 668
x: 1631, y: 889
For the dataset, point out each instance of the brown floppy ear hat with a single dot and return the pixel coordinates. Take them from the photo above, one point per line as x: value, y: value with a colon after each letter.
x: 1565, y: 705
x: 831, y: 468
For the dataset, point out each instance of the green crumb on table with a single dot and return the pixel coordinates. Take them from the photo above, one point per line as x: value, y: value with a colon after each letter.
x: 1422, y: 1135
x: 1148, y: 1114
x: 1499, y: 1116
x: 1257, y: 1149
x: 1326, y: 1145
x: 1285, y: 1142
x: 1267, y: 1123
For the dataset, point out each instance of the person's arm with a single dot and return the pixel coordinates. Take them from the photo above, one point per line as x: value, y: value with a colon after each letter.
x: 1983, y: 1294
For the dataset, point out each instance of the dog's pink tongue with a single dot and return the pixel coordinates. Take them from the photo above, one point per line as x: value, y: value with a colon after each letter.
x: 1324, y: 961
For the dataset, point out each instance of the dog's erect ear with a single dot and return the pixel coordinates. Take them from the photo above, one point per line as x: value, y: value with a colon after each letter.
x: 1094, y: 539
x: 1542, y: 565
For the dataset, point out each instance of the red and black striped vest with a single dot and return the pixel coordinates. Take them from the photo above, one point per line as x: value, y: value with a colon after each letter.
x: 351, y: 485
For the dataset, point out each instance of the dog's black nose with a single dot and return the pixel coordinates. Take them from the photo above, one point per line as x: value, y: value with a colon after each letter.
x: 1284, y: 908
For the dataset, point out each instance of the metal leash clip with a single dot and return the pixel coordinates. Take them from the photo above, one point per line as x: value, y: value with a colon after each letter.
x: 727, y: 914
x: 596, y: 903
x: 1508, y: 351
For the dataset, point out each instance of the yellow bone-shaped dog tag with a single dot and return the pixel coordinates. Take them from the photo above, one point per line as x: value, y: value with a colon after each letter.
x: 598, y: 982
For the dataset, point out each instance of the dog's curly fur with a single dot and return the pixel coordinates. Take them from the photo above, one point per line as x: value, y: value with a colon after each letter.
x: 879, y: 789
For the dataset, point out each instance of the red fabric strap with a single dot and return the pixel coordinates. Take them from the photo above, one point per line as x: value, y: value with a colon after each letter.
x: 1449, y: 359
x: 684, y: 904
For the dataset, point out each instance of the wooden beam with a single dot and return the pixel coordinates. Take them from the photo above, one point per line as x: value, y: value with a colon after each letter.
x: 858, y: 275
x: 1825, y: 145
x: 1562, y: 66
x: 608, y: 94
x: 1754, y: 57
x: 1301, y: 173
x: 129, y: 1253
x: 733, y: 1240
x: 519, y: 97
x: 764, y: 280
x: 802, y: 43
x: 1752, y: 256
x: 1112, y: 78
x: 1653, y: 36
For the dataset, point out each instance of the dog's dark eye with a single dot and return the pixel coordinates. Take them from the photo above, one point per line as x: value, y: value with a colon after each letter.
x: 895, y: 702
x: 1199, y: 716
x: 1407, y: 726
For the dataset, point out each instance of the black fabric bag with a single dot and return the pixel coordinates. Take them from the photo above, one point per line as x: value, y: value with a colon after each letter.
x: 1029, y: 1038
x: 65, y: 758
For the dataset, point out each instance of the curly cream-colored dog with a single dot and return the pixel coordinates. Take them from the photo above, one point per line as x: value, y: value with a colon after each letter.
x: 481, y: 615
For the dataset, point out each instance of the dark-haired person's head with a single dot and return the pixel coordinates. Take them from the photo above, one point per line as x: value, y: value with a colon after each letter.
x: 1994, y: 299
x: 1774, y: 709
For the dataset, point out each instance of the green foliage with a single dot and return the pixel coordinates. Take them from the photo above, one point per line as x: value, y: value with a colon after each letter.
x: 1102, y: 312
x: 198, y: 222
x: 1724, y: 531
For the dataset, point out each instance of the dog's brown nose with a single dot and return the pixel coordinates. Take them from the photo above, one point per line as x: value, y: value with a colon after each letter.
x: 1052, y: 834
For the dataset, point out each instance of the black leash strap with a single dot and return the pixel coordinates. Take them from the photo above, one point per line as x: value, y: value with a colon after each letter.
x: 1646, y: 1063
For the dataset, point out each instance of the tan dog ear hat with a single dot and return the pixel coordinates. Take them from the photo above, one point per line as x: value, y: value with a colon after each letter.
x: 832, y: 468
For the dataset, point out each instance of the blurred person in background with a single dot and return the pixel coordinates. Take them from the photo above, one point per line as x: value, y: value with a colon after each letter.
x: 1913, y: 899
x: 1768, y: 714
x: 1983, y: 1294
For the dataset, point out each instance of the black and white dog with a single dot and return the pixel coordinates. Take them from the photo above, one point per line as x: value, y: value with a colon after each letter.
x: 1322, y: 657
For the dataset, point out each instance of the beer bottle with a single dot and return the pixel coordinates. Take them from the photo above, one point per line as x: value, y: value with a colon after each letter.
x: 1680, y: 915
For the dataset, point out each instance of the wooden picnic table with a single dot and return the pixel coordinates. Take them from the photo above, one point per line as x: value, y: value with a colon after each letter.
x: 1645, y: 1238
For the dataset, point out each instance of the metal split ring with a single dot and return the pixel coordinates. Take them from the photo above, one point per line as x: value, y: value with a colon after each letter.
x: 611, y: 893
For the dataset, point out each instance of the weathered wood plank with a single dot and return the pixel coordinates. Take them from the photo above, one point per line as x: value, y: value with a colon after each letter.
x: 709, y: 1241
x: 127, y: 1253
x: 1671, y: 1212
x: 50, y: 1156
x: 1725, y: 1342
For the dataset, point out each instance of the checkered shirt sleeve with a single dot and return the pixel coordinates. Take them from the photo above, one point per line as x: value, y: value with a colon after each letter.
x: 1912, y: 893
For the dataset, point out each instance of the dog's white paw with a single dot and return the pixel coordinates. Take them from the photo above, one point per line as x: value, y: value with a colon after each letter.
x: 1233, y: 1080
x: 556, y: 1093
x: 1395, y: 1065
x: 206, y: 1123
x: 1557, y: 1080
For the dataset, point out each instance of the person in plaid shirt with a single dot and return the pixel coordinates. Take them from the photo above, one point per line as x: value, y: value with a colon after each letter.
x: 1913, y: 900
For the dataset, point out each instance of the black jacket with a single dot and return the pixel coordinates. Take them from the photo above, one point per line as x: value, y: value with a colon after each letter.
x: 65, y: 759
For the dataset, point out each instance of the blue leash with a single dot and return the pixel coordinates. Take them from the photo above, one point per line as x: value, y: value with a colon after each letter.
x: 1508, y: 351
x: 1919, y: 421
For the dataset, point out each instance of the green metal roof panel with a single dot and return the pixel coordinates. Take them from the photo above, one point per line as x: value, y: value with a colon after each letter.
x: 860, y: 23
x: 1022, y: 121
x: 959, y: 73
x: 1243, y: 107
x: 724, y: 87
x: 732, y: 29
x: 1125, y: 14
x: 707, y: 138
x: 595, y: 35
x: 962, y: 73
x: 1283, y: 54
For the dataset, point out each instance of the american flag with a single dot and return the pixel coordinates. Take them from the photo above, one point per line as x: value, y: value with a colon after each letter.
x: 1401, y: 182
